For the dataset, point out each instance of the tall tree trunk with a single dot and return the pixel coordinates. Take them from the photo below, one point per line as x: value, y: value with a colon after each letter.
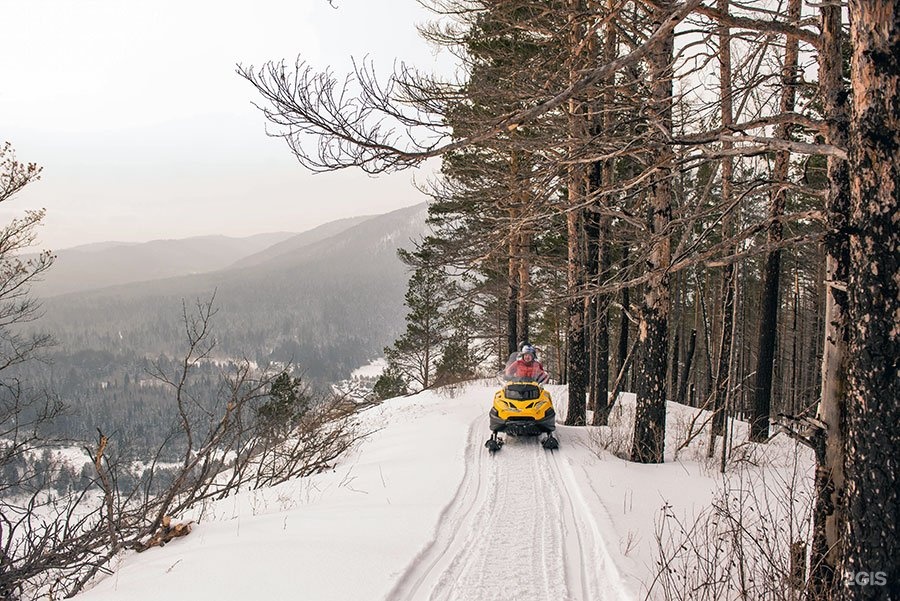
x: 624, y: 323
x: 795, y: 368
x: 602, y: 407
x: 768, y: 321
x: 648, y: 445
x: 592, y: 269
x: 872, y: 502
x: 576, y: 360
x: 732, y: 366
x: 673, y: 364
x: 524, y: 284
x: 686, y: 369
x: 604, y: 261
x: 723, y: 369
x: 723, y: 365
x: 512, y: 295
x: 559, y: 345
x: 707, y: 342
x: 829, y: 518
x: 519, y: 239
x: 812, y: 333
x: 596, y: 308
x: 675, y: 323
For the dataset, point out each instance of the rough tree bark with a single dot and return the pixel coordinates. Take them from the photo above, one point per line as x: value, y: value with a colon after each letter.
x: 826, y: 545
x: 576, y: 359
x: 648, y: 445
x: 592, y: 273
x: 602, y: 407
x: 605, y: 170
x: 872, y: 459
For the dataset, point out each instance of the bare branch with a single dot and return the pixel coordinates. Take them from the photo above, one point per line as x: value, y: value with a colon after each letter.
x: 358, y: 132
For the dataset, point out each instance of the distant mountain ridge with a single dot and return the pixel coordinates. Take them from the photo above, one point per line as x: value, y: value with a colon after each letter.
x: 298, y: 241
x: 330, y: 299
x: 105, y: 264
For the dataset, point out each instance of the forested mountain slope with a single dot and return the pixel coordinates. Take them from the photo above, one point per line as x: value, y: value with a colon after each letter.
x: 330, y: 305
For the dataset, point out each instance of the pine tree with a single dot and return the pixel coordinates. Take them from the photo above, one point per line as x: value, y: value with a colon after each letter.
x: 390, y: 384
x: 414, y: 355
x: 489, y: 193
x: 459, y: 360
x: 286, y: 404
x: 454, y: 365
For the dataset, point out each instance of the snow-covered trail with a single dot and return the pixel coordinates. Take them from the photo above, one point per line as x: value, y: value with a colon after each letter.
x: 518, y: 527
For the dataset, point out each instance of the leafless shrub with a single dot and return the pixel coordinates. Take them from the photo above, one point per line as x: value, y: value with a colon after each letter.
x: 321, y: 436
x: 616, y: 437
x: 628, y: 543
x: 53, y: 546
x: 689, y: 428
x: 746, y: 545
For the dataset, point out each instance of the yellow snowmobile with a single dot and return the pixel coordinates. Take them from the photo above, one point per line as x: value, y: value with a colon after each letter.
x: 522, y: 408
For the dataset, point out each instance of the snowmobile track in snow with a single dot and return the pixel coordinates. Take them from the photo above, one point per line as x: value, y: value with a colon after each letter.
x: 517, y: 528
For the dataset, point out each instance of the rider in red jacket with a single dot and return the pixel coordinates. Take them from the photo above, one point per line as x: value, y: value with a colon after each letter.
x: 527, y: 366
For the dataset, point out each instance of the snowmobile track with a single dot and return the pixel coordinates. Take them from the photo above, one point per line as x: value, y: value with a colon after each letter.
x: 517, y: 528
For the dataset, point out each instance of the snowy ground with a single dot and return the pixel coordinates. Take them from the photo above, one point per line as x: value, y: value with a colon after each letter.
x: 373, y: 369
x: 421, y: 511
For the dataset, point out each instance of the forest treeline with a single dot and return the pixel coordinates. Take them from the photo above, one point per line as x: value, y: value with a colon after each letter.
x: 699, y: 197
x: 509, y: 223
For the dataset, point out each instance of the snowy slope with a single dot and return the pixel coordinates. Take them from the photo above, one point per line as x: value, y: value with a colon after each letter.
x: 422, y: 511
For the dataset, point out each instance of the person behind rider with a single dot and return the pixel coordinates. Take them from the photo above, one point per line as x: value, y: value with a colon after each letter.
x: 527, y: 366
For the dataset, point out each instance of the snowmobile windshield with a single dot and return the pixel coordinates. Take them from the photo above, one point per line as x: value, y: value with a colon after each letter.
x: 522, y: 391
x: 515, y: 379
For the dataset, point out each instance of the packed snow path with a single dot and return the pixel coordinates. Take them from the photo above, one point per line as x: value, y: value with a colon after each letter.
x: 517, y: 528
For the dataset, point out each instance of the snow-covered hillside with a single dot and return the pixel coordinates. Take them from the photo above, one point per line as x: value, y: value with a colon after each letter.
x: 421, y: 510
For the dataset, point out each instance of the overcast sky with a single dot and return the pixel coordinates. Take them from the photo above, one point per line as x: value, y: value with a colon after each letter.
x: 145, y: 131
